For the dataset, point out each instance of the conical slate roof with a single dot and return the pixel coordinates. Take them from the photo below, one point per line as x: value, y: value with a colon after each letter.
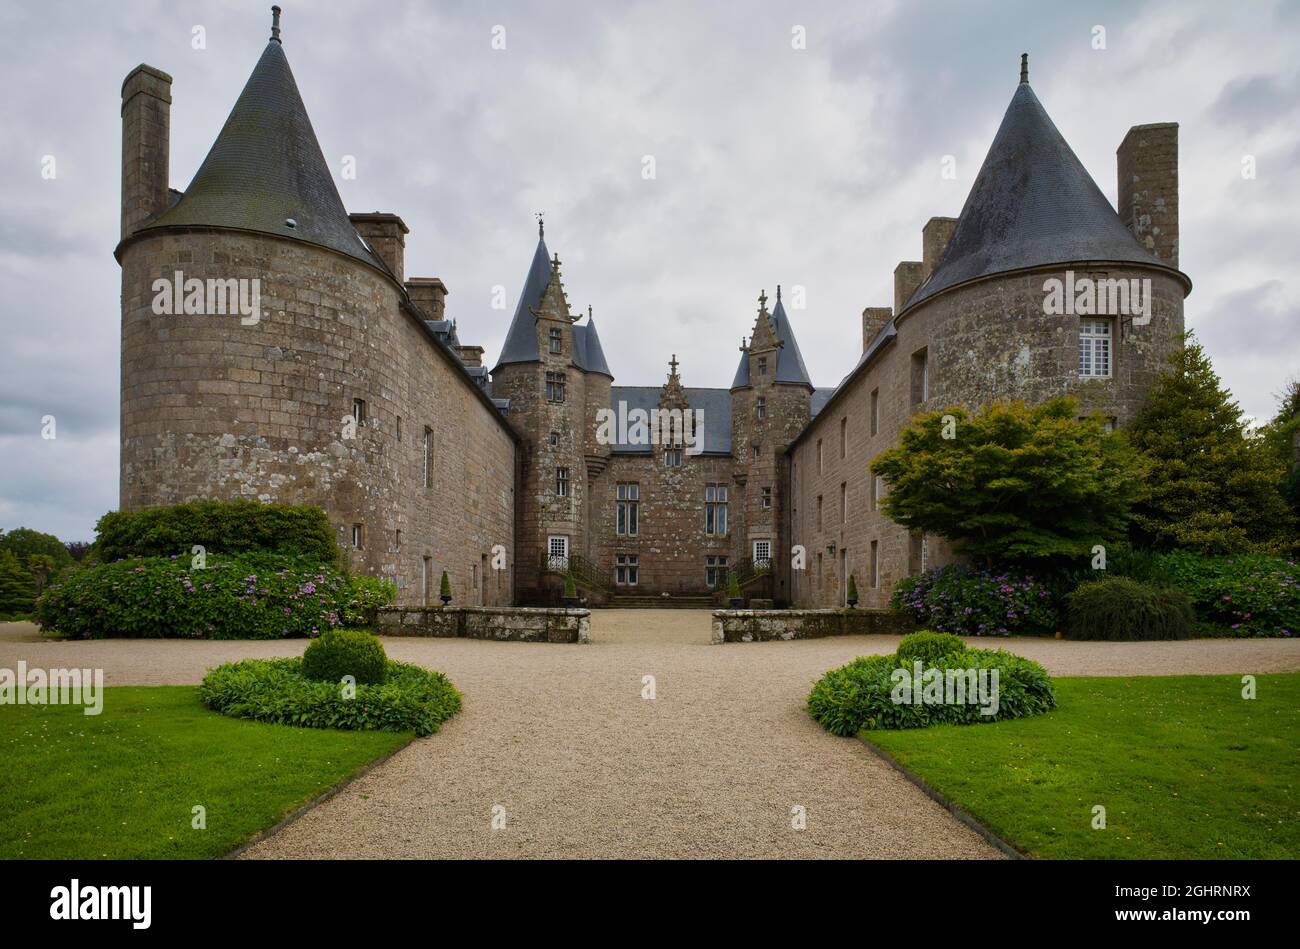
x: 266, y: 168
x: 1033, y: 203
x: 521, y: 338
x: 789, y: 361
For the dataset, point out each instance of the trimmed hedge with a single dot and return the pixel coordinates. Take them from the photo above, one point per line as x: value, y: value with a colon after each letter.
x: 861, y: 695
x: 255, y: 596
x: 928, y: 646
x: 340, y: 652
x: 411, y: 698
x: 1118, y: 608
x: 958, y: 599
x: 222, y: 527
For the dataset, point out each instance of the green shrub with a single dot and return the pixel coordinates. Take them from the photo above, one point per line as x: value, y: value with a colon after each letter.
x: 958, y: 599
x: 928, y: 646
x: 1121, y: 608
x: 733, y: 585
x: 220, y: 527
x: 23, y: 543
x: 342, y: 652
x: 853, y: 590
x: 368, y: 595
x: 570, y: 588
x: 17, y: 588
x: 444, y: 587
x: 411, y: 698
x: 254, y: 596
x: 866, y: 692
x: 1242, y: 594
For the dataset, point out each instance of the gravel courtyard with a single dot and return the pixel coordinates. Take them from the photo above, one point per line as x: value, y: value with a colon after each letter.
x: 558, y: 741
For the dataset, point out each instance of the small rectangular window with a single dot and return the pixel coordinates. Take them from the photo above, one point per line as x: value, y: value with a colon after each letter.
x: 561, y: 482
x: 844, y: 437
x: 844, y: 502
x: 628, y: 503
x: 399, y: 428
x: 427, y: 475
x: 1094, y: 349
x: 556, y: 340
x: 715, y: 571
x: 875, y: 411
x: 820, y: 465
x: 359, y: 411
x: 626, y: 569
x: 765, y: 498
x: 762, y: 365
x: 819, y: 512
x: 761, y: 407
x: 397, y: 540
x: 875, y: 564
x: 555, y: 439
x: 673, y: 457
x: 555, y: 387
x: 920, y: 376
x: 358, y: 535
x: 762, y: 554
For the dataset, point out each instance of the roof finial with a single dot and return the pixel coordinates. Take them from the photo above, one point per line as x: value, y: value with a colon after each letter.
x: 589, y: 316
x: 762, y: 301
x: 672, y: 366
x: 541, y: 225
x: 778, y: 293
x: 1024, y: 67
x: 275, y: 25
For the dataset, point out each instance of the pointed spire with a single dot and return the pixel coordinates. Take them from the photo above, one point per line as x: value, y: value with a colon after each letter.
x: 778, y: 294
x: 1024, y: 67
x: 762, y: 301
x: 541, y: 225
x: 275, y: 25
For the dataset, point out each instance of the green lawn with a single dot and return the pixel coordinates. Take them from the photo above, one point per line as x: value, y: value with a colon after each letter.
x: 1183, y: 765
x: 123, y: 783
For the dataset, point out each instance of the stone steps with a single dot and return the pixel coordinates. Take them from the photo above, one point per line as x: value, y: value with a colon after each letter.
x: 660, y: 603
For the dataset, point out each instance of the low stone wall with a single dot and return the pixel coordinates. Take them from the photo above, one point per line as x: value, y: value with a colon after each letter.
x: 516, y: 624
x: 749, y: 626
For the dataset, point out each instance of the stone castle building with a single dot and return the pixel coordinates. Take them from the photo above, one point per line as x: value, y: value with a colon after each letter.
x: 347, y: 385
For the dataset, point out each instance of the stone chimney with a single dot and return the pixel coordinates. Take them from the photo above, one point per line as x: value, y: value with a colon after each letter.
x: 1147, y: 165
x: 934, y: 240
x: 146, y: 134
x: 907, y: 277
x: 430, y: 295
x: 386, y: 235
x: 873, y: 320
x: 470, y: 355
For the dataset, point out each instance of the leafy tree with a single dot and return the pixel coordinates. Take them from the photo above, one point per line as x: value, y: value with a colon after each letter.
x: 1210, y: 486
x: 17, y: 590
x: 1012, y: 484
x: 1282, y: 435
x: 41, y: 567
x: 22, y: 542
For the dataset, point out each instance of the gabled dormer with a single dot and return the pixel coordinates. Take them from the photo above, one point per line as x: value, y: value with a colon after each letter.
x: 771, y: 355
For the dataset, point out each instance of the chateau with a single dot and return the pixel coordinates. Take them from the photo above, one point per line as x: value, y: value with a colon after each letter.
x: 349, y: 387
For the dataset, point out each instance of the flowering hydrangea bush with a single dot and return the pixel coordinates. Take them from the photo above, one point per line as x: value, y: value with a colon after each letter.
x: 1243, y: 595
x: 262, y: 596
x: 968, y: 602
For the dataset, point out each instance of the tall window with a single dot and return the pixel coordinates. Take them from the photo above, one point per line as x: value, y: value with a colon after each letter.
x: 557, y: 551
x: 762, y: 365
x: 629, y: 500
x: 561, y: 482
x: 762, y: 407
x: 555, y: 387
x: 820, y: 465
x: 715, y: 571
x: 765, y: 498
x: 556, y: 340
x: 875, y: 411
x: 844, y: 437
x: 715, y: 509
x: 626, y: 568
x: 555, y: 439
x: 358, y: 536
x: 427, y: 455
x: 844, y: 501
x: 920, y: 376
x: 819, y: 512
x: 399, y: 428
x: 1094, y: 349
x: 875, y: 564
x: 359, y: 411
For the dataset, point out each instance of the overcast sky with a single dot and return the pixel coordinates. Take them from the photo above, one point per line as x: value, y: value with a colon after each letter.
x: 814, y: 167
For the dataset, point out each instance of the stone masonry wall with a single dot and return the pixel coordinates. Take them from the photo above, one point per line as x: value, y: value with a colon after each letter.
x: 513, y: 624
x: 749, y: 626
x: 213, y: 408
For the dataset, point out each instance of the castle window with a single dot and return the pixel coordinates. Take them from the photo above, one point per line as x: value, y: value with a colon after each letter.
x: 359, y: 411
x: 762, y: 365
x: 920, y: 376
x: 820, y: 459
x: 762, y: 554
x: 555, y: 387
x: 844, y: 502
x: 673, y: 457
x: 1094, y: 349
x: 557, y: 552
x: 561, y: 482
x: 844, y: 437
x: 761, y: 407
x: 875, y: 411
x: 556, y: 341
x: 819, y: 512
x: 358, y: 535
x: 427, y: 476
x: 555, y: 439
x: 715, y: 509
x: 629, y: 501
x: 626, y: 568
x: 397, y: 540
x: 765, y: 498
x: 877, y: 492
x: 715, y: 571
x: 399, y: 428
x: 875, y: 564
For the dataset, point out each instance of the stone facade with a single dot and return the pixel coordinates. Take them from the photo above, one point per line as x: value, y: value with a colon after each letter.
x: 513, y: 624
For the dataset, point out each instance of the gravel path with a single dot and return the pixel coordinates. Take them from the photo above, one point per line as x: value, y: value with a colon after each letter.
x: 560, y: 740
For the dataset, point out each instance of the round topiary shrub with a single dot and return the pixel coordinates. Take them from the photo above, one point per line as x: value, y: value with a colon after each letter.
x: 411, y: 698
x: 928, y: 646
x: 954, y: 689
x: 345, y: 652
x: 1118, y: 608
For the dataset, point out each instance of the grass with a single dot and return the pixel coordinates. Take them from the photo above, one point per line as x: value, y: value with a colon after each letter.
x: 122, y: 784
x: 1185, y: 767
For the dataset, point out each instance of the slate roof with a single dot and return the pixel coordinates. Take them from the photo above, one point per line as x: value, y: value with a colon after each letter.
x: 715, y: 403
x: 521, y: 338
x: 266, y: 167
x: 789, y: 361
x: 1033, y: 203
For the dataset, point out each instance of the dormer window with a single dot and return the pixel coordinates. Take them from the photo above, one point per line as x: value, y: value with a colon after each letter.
x: 762, y: 365
x: 761, y: 407
x: 556, y: 340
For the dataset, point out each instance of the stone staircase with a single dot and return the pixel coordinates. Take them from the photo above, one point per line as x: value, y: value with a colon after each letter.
x: 650, y: 602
